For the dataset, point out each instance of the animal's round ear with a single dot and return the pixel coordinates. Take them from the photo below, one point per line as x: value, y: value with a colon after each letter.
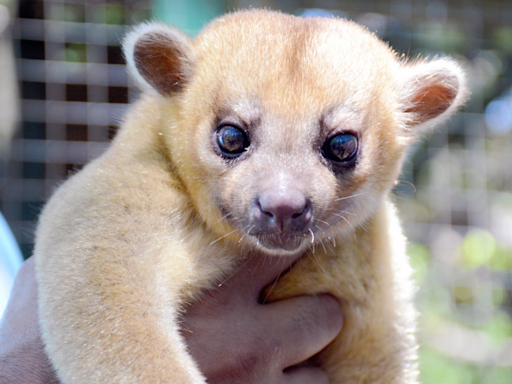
x: 160, y: 57
x: 431, y: 91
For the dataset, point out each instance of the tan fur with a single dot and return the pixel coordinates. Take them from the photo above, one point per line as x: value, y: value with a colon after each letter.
x: 144, y: 229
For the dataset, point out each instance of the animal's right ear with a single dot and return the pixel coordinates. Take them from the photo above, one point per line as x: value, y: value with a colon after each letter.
x: 431, y: 91
x: 160, y: 57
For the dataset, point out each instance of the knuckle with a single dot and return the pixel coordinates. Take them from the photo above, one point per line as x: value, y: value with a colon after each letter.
x: 238, y: 367
x: 255, y: 357
x: 322, y: 316
x: 247, y: 361
x: 307, y: 375
x: 333, y: 314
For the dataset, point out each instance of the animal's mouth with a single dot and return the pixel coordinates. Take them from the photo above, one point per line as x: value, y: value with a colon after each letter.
x: 281, y: 241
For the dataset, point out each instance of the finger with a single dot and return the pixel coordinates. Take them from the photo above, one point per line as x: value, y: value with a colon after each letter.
x: 253, y: 274
x: 303, y: 326
x: 260, y: 270
x: 20, y: 315
x: 21, y: 347
x: 25, y: 279
x: 305, y: 375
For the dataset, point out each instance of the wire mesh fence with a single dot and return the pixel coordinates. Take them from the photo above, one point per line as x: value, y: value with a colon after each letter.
x: 455, y: 195
x: 74, y: 90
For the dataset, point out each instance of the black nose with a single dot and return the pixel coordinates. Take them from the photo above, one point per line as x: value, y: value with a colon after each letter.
x: 284, y: 210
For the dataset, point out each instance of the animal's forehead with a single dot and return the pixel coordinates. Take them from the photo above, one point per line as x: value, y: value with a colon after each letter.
x: 270, y: 39
x: 291, y: 62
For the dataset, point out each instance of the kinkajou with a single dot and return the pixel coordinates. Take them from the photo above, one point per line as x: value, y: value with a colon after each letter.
x: 266, y: 135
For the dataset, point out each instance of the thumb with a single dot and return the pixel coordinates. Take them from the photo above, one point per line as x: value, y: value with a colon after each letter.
x: 255, y: 273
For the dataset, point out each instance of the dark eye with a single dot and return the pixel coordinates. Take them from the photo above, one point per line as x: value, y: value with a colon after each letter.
x: 341, y: 148
x: 232, y: 141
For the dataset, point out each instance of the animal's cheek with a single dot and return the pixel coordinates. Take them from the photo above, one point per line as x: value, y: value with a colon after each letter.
x: 322, y: 191
x: 235, y: 194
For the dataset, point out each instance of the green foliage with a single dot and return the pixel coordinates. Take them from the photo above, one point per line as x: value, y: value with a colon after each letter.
x: 502, y: 39
x: 480, y: 248
x: 502, y: 258
x: 114, y: 14
x: 438, y: 369
x: 441, y: 37
x: 73, y: 12
x: 498, y: 328
x: 439, y: 304
x: 463, y: 295
x: 496, y: 375
x: 75, y: 53
x: 419, y: 257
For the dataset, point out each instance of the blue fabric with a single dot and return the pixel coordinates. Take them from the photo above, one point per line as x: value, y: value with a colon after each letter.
x: 10, y: 261
x: 10, y: 254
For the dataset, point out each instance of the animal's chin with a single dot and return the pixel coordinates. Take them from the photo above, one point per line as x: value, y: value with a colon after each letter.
x: 280, y: 243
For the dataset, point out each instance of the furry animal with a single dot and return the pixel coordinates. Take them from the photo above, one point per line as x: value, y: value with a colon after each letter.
x: 267, y: 134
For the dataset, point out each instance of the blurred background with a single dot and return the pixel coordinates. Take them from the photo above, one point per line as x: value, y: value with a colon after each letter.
x: 455, y: 196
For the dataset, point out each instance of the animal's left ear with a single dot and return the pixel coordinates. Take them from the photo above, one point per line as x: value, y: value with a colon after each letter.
x: 431, y: 91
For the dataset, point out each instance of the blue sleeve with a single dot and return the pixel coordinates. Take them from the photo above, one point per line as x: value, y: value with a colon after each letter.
x: 10, y: 254
x: 10, y: 261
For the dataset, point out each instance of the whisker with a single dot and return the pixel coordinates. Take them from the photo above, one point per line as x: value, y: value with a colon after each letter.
x: 236, y: 270
x: 325, y: 222
x: 220, y: 238
x: 348, y: 213
x: 245, y: 233
x: 317, y: 260
x: 260, y: 261
x: 312, y: 248
x: 323, y: 246
x: 328, y: 241
x: 349, y: 223
x: 344, y: 218
x: 222, y: 218
x: 349, y: 197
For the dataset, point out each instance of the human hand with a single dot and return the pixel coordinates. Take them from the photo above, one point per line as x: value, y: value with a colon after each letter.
x: 236, y: 339
x: 22, y: 356
x: 233, y: 337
